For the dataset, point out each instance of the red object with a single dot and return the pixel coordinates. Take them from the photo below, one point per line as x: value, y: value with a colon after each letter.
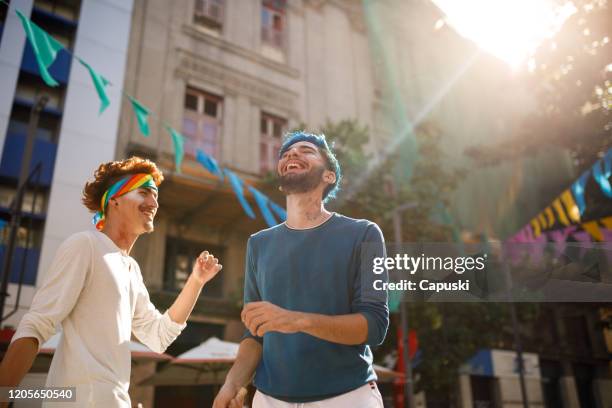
x: 413, y: 346
x: 6, y: 335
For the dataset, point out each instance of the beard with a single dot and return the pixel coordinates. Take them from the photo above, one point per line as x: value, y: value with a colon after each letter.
x: 302, y: 182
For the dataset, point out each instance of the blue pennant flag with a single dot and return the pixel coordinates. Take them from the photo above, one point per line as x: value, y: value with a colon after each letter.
x: 237, y: 186
x: 578, y: 190
x: 209, y: 163
x: 602, y: 170
x: 262, y: 201
x: 280, y: 211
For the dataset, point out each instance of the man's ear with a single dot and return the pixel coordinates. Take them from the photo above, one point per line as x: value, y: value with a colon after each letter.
x: 329, y: 177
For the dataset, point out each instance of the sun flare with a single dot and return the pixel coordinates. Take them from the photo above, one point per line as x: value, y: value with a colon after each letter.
x: 509, y: 29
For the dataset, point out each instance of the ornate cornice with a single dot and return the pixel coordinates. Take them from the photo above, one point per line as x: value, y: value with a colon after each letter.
x: 352, y: 8
x: 253, y: 56
x: 194, y: 67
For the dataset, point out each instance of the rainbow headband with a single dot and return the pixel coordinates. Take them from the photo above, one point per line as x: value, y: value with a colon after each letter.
x: 121, y: 187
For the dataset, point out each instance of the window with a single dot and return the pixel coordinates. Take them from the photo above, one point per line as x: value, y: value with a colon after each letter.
x: 209, y: 13
x: 3, y: 14
x: 180, y: 256
x: 29, y: 235
x: 202, y: 122
x: 69, y: 9
x: 47, y: 129
x: 32, y: 203
x: 29, y: 88
x: 63, y: 29
x: 273, y: 23
x: 271, y: 132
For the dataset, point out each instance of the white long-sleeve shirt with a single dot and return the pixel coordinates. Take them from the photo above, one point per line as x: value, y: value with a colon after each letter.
x: 98, y: 296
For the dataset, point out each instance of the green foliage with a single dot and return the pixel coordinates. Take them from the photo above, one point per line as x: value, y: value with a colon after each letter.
x: 373, y: 192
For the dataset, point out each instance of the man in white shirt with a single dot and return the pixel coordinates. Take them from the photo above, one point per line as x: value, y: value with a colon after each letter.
x: 94, y: 289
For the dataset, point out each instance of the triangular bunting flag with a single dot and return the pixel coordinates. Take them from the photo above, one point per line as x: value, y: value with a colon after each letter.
x: 262, y: 202
x: 209, y: 163
x: 99, y: 83
x: 237, y: 186
x: 179, y: 150
x: 280, y: 211
x: 44, y: 46
x: 602, y: 170
x: 142, y: 115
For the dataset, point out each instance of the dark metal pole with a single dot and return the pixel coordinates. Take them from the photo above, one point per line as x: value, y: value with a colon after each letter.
x: 517, y: 336
x: 39, y: 105
x: 519, y: 354
x: 24, y: 258
x: 408, y: 384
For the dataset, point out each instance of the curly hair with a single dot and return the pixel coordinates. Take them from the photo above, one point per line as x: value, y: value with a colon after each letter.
x: 109, y: 173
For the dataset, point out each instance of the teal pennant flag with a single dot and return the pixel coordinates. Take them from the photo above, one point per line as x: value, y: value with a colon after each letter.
x: 44, y: 46
x: 179, y: 147
x: 99, y: 83
x: 142, y: 115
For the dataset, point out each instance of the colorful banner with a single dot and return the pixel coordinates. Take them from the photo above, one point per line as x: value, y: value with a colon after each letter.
x: 582, y: 212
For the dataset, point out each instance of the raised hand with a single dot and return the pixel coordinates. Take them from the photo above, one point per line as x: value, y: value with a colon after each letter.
x: 205, y: 267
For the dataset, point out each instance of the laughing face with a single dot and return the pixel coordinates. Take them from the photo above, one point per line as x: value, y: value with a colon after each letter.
x: 136, y: 210
x: 302, y: 169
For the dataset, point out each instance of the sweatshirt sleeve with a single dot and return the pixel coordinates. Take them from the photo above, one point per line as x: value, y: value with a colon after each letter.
x: 155, y: 330
x: 59, y: 291
x: 371, y: 303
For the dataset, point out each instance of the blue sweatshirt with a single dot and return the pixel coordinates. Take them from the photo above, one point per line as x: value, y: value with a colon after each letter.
x: 325, y: 270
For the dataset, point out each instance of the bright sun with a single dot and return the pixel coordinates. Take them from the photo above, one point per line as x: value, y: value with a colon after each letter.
x: 509, y: 29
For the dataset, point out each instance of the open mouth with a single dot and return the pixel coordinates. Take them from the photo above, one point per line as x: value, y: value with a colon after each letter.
x: 294, y: 166
x: 149, y: 214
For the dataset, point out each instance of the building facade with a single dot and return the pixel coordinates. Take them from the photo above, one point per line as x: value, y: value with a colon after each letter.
x: 233, y: 76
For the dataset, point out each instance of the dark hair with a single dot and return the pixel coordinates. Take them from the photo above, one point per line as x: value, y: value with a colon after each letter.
x: 109, y: 173
x: 332, y: 162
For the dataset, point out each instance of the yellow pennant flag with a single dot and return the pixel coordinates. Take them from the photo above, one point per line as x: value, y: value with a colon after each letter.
x: 593, y: 229
x: 570, y: 206
x: 560, y: 212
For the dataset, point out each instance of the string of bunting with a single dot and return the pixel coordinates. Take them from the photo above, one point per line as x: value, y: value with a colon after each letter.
x: 46, y: 49
x: 564, y: 215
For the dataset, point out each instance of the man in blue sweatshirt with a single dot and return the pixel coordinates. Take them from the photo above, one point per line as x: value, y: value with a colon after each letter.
x: 310, y: 308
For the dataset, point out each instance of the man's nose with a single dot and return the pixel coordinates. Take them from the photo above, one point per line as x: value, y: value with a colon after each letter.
x: 292, y: 152
x: 152, y: 201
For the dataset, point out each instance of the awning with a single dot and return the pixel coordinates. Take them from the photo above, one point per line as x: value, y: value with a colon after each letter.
x: 209, y: 363
x: 140, y: 352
